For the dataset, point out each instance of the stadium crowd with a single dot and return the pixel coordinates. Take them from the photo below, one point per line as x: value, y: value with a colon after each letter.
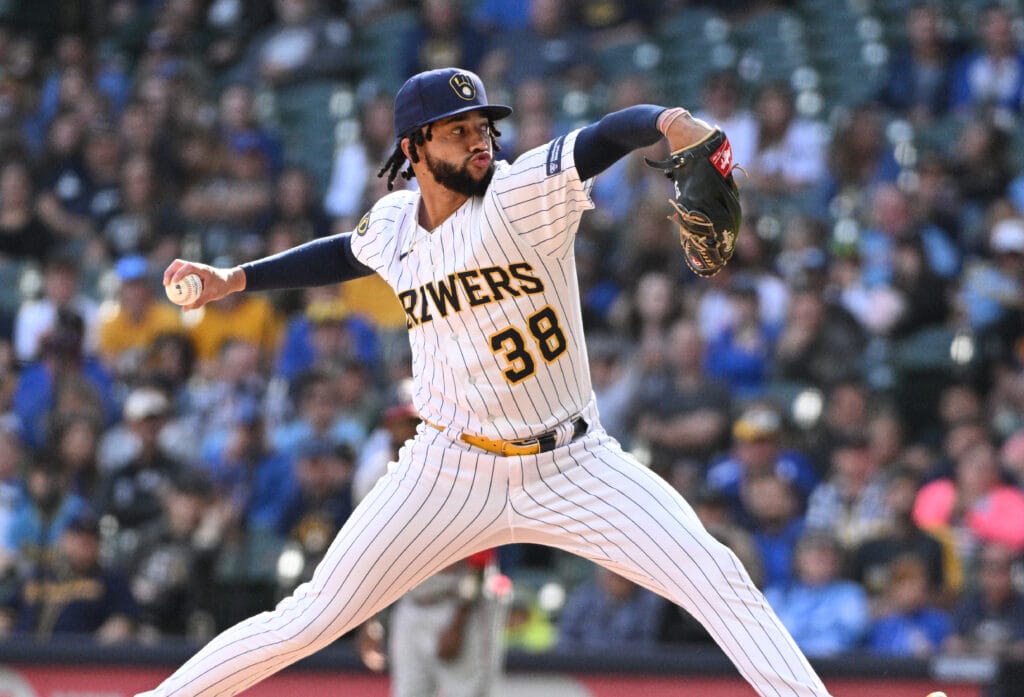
x: 843, y: 404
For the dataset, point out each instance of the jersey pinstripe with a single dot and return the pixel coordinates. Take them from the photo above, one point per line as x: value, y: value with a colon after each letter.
x: 500, y: 266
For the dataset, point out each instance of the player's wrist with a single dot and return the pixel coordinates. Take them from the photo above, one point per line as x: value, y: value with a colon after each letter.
x: 682, y: 129
x: 236, y: 280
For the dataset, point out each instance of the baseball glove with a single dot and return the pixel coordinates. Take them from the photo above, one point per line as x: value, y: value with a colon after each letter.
x: 706, y: 203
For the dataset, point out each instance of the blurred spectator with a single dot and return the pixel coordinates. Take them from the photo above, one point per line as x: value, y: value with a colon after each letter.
x: 62, y: 291
x: 442, y: 37
x: 237, y: 118
x: 23, y: 235
x: 820, y: 344
x: 320, y: 503
x: 441, y: 634
x: 894, y: 222
x: 251, y: 480
x: 685, y: 415
x: 790, y: 155
x: 248, y: 318
x: 231, y: 386
x: 61, y: 380
x: 550, y: 47
x: 912, y: 626
x: 851, y: 501
x: 41, y: 515
x: 992, y: 287
x: 614, y: 22
x: 649, y: 310
x: 317, y: 417
x: 75, y: 445
x: 12, y: 468
x: 759, y: 450
x: 326, y: 336
x: 975, y: 504
x: 228, y: 195
x: 496, y: 17
x: 919, y: 74
x: 75, y: 594
x: 398, y: 424
x: 304, y: 43
x: 608, y: 612
x: 295, y: 206
x: 776, y: 524
x: 992, y: 76
x: 132, y: 493
x: 77, y: 196
x: 354, y: 179
x: 741, y: 355
x: 1011, y: 456
x: 924, y: 295
x: 844, y: 415
x: 722, y: 105
x: 981, y: 162
x: 143, y: 222
x: 860, y: 155
x: 171, y: 571
x: 825, y: 614
x: 871, y: 562
x: 989, y: 619
x: 128, y: 325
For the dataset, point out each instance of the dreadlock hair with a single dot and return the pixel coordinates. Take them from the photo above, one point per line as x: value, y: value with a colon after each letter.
x: 416, y: 139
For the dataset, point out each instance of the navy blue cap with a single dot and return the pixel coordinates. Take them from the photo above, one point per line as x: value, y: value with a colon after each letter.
x: 438, y: 94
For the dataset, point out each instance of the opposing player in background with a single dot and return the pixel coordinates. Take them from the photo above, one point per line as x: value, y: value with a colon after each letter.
x: 510, y: 448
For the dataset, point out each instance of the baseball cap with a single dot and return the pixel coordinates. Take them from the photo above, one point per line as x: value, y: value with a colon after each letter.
x: 84, y: 522
x: 755, y: 423
x: 144, y: 402
x: 439, y: 94
x: 1008, y: 236
x: 133, y: 267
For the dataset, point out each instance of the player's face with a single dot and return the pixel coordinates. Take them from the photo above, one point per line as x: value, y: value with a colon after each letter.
x: 459, y: 153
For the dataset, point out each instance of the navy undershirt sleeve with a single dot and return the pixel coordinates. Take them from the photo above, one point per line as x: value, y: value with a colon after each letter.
x: 616, y: 135
x: 321, y: 262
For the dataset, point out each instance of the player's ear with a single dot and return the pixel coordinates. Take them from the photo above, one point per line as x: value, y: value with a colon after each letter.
x: 404, y: 144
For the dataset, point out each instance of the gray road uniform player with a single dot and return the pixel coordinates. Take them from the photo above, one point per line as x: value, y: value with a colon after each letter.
x: 511, y: 448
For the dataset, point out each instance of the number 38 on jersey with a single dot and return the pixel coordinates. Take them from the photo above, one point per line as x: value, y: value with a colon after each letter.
x: 545, y: 337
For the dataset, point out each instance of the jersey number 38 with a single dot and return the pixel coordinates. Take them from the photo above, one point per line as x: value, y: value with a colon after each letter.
x: 547, y: 334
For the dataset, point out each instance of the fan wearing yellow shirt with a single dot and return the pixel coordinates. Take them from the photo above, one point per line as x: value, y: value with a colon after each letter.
x: 129, y: 324
x: 249, y: 318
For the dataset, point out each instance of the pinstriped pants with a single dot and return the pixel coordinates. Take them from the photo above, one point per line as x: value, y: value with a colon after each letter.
x: 443, y: 500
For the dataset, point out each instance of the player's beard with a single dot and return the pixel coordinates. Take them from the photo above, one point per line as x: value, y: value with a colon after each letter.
x: 459, y: 179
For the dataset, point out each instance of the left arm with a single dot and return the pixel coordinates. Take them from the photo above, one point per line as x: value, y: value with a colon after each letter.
x: 600, y: 144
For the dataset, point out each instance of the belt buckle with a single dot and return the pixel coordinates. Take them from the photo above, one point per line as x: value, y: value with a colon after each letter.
x: 518, y: 448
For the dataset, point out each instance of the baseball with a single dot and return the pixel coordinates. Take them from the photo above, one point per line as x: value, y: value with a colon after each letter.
x: 185, y: 291
x: 936, y: 694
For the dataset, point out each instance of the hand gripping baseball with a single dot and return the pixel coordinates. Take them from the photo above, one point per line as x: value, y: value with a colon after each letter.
x: 706, y: 204
x: 214, y: 282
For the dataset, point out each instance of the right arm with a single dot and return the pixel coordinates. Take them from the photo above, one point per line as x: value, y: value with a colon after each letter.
x: 321, y: 262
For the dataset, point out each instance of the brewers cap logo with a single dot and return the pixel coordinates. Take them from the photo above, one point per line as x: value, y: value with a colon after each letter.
x: 364, y: 225
x: 463, y: 86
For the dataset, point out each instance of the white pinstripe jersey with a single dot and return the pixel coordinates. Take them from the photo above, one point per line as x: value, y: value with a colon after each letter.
x: 491, y: 296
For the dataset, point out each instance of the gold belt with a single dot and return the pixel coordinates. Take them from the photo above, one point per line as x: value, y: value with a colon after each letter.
x: 543, y: 443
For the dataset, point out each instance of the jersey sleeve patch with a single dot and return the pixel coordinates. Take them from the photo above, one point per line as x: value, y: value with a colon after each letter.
x: 554, y: 157
x: 364, y: 225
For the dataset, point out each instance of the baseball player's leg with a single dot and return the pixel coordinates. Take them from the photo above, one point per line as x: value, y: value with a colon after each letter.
x: 429, y: 510
x: 412, y: 650
x: 472, y: 672
x: 594, y: 500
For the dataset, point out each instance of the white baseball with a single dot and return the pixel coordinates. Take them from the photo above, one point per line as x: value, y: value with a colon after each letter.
x: 936, y: 694
x: 185, y: 291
